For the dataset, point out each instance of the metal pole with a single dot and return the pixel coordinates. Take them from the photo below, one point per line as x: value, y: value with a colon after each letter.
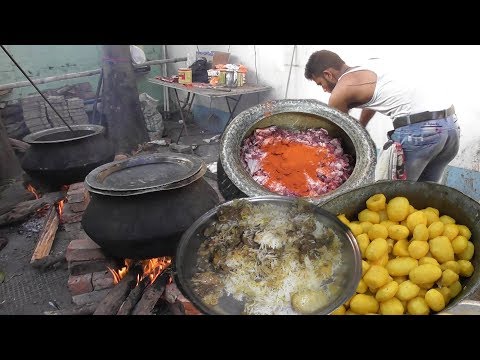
x: 35, y: 86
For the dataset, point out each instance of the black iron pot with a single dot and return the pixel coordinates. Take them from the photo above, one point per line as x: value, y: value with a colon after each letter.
x: 59, y: 156
x: 140, y: 207
x: 447, y: 200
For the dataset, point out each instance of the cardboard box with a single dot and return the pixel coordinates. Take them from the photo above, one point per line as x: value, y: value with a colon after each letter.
x: 214, y: 57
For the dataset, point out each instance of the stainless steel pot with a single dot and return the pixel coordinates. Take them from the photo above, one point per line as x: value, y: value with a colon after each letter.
x: 297, y: 114
x: 449, y: 201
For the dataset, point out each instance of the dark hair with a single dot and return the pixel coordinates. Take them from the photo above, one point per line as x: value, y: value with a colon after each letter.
x: 321, y: 60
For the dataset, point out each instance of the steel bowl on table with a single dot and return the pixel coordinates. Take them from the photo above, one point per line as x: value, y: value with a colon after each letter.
x: 447, y: 200
x: 346, y: 277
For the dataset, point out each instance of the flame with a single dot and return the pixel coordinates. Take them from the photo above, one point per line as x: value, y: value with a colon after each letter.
x: 151, y: 268
x: 33, y: 191
x: 60, y: 206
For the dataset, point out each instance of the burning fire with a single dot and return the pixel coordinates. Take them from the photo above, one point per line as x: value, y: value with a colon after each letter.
x: 151, y: 268
x: 33, y: 191
x: 60, y: 206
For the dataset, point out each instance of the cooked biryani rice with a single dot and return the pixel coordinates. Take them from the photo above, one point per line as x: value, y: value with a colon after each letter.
x: 263, y: 254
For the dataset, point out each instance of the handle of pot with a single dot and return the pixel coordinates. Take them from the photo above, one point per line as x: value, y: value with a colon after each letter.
x: 466, y: 307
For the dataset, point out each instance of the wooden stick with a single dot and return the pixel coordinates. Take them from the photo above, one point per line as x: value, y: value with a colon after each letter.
x: 86, y: 309
x: 151, y: 295
x: 45, y: 241
x: 22, y: 210
x: 47, y: 261
x: 134, y: 296
x: 115, y: 297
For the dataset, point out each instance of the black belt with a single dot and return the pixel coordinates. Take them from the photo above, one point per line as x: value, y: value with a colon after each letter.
x: 423, y: 116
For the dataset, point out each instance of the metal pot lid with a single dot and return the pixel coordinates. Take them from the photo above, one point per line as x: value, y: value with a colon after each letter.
x: 145, y: 173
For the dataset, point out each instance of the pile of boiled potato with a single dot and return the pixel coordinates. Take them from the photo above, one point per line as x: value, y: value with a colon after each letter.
x: 412, y: 260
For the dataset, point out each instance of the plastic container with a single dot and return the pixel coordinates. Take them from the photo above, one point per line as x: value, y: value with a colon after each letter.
x: 184, y: 76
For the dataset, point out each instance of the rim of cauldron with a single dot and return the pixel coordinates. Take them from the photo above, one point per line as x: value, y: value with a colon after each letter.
x: 33, y: 137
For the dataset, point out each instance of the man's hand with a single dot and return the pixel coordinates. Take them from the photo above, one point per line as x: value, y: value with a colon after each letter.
x: 365, y: 116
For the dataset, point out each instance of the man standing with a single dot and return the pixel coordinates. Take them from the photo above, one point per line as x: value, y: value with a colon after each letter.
x: 426, y: 127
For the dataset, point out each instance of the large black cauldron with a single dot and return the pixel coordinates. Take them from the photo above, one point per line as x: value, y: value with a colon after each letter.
x: 59, y: 156
x: 140, y: 207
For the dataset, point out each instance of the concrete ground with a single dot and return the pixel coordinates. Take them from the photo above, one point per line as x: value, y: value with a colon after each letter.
x: 25, y: 290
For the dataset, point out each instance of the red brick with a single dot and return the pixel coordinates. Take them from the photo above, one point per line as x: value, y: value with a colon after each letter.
x: 82, y: 244
x: 77, y: 191
x: 75, y: 197
x: 190, y: 309
x: 120, y: 157
x: 70, y: 217
x: 80, y: 284
x: 76, y: 186
x: 102, y: 280
x: 84, y: 267
x: 78, y: 207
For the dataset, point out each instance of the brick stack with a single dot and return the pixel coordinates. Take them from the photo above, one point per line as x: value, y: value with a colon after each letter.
x: 35, y: 114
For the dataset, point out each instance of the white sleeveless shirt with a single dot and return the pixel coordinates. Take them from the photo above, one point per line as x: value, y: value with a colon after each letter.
x: 398, y: 94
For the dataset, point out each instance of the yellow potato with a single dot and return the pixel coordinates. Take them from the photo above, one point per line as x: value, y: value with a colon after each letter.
x: 366, y: 225
x: 464, y: 231
x: 383, y: 215
x: 411, y: 209
x: 377, y: 231
x: 376, y: 202
x: 369, y: 215
x: 435, y: 210
x: 452, y: 265
x: 343, y: 219
x: 376, y: 249
x: 363, y: 304
x: 435, y: 300
x: 361, y: 287
x: 387, y: 223
x: 426, y: 286
x: 448, y: 277
x: 398, y: 232
x: 392, y: 306
x: 398, y: 208
x: 407, y: 290
x: 418, y: 249
x: 441, y: 249
x: 339, y: 311
x: 350, y: 312
x: 422, y: 292
x: 466, y: 268
x: 365, y: 267
x: 467, y: 254
x: 420, y: 233
x: 447, y: 219
x: 400, y: 279
x: 425, y: 274
x: 401, y: 248
x: 401, y: 266
x: 459, y: 244
x: 390, y: 243
x: 387, y: 291
x: 418, y: 306
x: 382, y: 261
x: 308, y: 301
x: 355, y: 222
x: 450, y: 231
x: 355, y: 228
x: 447, y: 294
x: 347, y: 303
x: 435, y: 229
x: 363, y: 242
x: 376, y: 277
x: 455, y: 288
x: 428, y: 260
x: 415, y: 218
x: 431, y: 216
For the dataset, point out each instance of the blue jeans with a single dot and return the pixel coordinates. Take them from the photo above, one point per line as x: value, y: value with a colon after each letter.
x: 428, y: 147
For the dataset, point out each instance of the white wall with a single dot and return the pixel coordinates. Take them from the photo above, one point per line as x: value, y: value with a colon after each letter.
x: 452, y: 70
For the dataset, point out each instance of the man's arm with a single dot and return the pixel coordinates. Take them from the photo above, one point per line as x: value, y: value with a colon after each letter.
x: 365, y: 116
